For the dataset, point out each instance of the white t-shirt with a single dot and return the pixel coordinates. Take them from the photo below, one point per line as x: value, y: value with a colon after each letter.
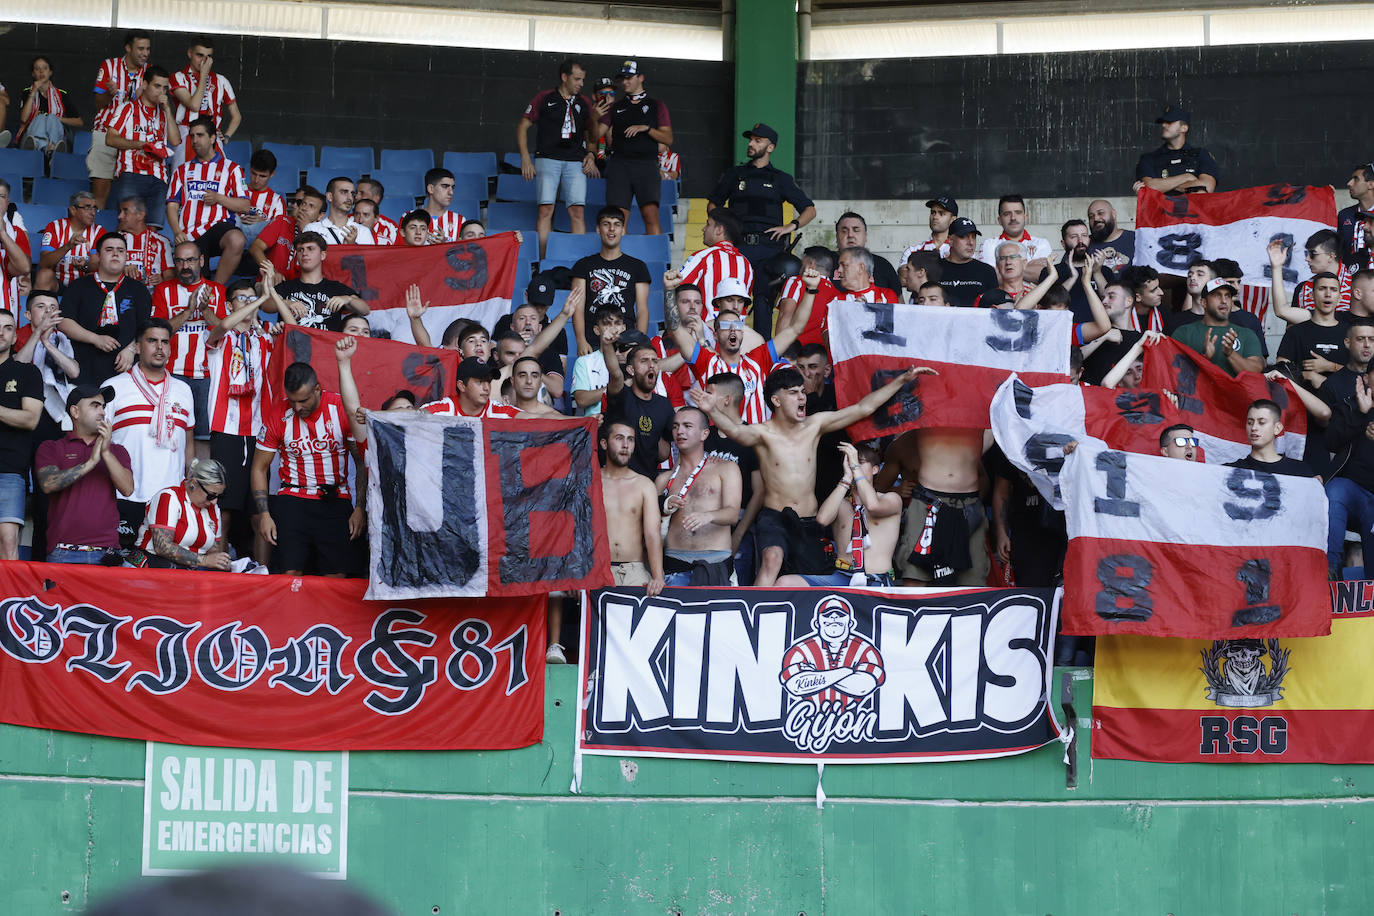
x: 1031, y: 248
x: 334, y: 235
x: 589, y: 374
x: 130, y: 414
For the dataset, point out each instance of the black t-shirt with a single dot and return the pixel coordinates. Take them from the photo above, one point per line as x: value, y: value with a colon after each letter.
x: 611, y: 283
x: 1300, y: 341
x: 725, y: 448
x: 964, y: 283
x: 1290, y: 466
x: 1238, y: 316
x: 17, y: 381
x: 652, y: 421
x: 1170, y: 163
x: 314, y: 296
x: 1339, y: 387
x: 1097, y: 365
x: 84, y: 302
x: 1124, y: 246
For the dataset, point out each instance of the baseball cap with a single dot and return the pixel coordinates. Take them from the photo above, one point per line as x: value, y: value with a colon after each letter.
x: 1174, y: 113
x: 540, y: 291
x: 732, y: 286
x: 994, y: 298
x: 634, y: 337
x: 605, y: 83
x: 473, y: 368
x: 1216, y: 284
x: 763, y: 132
x: 832, y: 604
x: 82, y: 392
x: 944, y: 200
x: 963, y: 226
x: 630, y: 68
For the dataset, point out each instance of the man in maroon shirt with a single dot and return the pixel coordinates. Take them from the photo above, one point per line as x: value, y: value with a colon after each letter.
x: 80, y: 473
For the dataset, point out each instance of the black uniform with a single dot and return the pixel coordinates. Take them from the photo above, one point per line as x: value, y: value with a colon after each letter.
x: 1170, y: 163
x: 756, y: 195
x: 632, y: 171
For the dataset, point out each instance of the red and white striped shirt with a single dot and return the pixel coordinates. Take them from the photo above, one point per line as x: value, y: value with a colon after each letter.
x: 268, y: 202
x: 9, y: 286
x: 1302, y: 295
x: 195, y: 528
x: 192, y: 180
x: 238, y: 380
x: 940, y: 248
x: 812, y: 655
x: 218, y: 95
x: 151, y: 253
x: 753, y: 367
x: 817, y: 326
x: 449, y: 407
x: 58, y: 233
x: 170, y: 298
x: 127, y: 86
x: 136, y: 121
x: 1255, y: 300
x: 1156, y: 320
x: 446, y: 225
x: 709, y: 266
x: 314, y: 449
x: 385, y: 231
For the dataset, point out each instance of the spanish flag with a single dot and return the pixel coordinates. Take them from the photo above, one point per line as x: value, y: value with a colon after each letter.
x: 1241, y: 700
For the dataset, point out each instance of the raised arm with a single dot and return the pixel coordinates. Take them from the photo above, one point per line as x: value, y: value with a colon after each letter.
x: 833, y: 420
x: 415, y: 310
x: 615, y: 376
x: 1100, y: 324
x: 1123, y: 365
x: 545, y: 338
x: 344, y: 348
x: 727, y: 422
x: 787, y: 336
x: 235, y: 318
x: 1278, y: 295
x: 672, y: 317
x: 1031, y: 298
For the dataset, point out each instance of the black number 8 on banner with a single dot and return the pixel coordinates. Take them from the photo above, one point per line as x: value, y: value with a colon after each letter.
x: 1125, y: 596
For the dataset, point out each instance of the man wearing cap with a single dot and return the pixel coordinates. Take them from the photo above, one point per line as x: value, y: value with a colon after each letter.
x: 80, y: 473
x: 564, y: 151
x: 637, y: 124
x: 962, y: 275
x: 943, y: 210
x: 1176, y: 166
x: 473, y: 383
x: 756, y: 190
x: 1233, y: 348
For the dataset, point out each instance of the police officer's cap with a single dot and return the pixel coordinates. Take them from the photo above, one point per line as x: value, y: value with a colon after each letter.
x: 763, y: 132
x: 1174, y: 113
x: 945, y: 201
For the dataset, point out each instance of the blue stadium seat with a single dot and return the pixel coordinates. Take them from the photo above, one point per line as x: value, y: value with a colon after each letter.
x: 667, y: 200
x: 81, y: 142
x: 36, y: 216
x: 647, y: 247
x: 239, y: 151
x: 514, y: 187
x: 55, y: 191
x: 512, y: 160
x: 471, y: 209
x: 503, y: 216
x: 320, y: 176
x: 470, y: 186
x: 529, y: 247
x: 69, y: 166
x: 475, y: 163
x: 524, y: 270
x: 107, y: 219
x: 402, y: 183
x: 596, y: 196
x: 409, y: 160
x: 355, y: 159
x: 569, y: 248
x: 393, y: 208
x: 284, y: 182
x: 16, y: 164
x: 292, y: 158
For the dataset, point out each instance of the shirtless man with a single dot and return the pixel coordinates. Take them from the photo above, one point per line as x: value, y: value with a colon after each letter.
x: 526, y: 378
x: 941, y: 467
x: 702, y: 502
x: 877, y: 518
x: 786, y: 528
x: 633, y: 523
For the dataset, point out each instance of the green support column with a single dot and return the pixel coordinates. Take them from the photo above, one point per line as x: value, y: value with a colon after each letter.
x: 766, y: 73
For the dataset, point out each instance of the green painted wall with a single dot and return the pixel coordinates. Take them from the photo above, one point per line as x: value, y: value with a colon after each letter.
x: 766, y: 74
x: 500, y: 833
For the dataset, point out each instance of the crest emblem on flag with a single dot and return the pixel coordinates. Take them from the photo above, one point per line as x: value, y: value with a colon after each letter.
x: 1237, y: 676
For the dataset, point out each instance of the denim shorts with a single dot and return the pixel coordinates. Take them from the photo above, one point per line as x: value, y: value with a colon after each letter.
x: 81, y: 557
x: 551, y: 175
x: 13, y: 489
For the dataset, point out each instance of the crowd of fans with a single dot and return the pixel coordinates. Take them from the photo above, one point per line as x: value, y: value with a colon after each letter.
x: 134, y: 393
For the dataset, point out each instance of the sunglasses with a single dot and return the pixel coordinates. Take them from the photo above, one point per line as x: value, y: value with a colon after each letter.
x: 732, y: 325
x: 209, y: 496
x: 1185, y: 441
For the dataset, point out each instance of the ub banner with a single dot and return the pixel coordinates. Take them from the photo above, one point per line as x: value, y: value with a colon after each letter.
x: 380, y: 367
x: 466, y: 506
x: 1242, y: 700
x: 815, y: 675
x: 1173, y: 229
x: 1165, y: 547
x: 294, y: 663
x: 974, y: 350
x: 473, y: 279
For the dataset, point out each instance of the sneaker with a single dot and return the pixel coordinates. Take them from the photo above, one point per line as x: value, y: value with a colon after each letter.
x: 5, y: 137
x: 555, y: 655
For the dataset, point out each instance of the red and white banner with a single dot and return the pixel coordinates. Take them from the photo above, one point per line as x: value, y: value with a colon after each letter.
x: 464, y: 507
x: 1173, y: 229
x: 380, y: 367
x: 1165, y: 547
x: 293, y: 663
x: 473, y: 279
x: 1214, y: 403
x: 974, y: 350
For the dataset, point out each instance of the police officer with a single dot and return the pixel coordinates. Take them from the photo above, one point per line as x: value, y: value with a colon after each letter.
x: 755, y: 190
x: 1176, y: 166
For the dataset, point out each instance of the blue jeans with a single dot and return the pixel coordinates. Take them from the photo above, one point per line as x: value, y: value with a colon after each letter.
x: 152, y: 190
x: 1348, y: 501
x: 551, y: 175
x: 86, y: 557
x: 13, y: 490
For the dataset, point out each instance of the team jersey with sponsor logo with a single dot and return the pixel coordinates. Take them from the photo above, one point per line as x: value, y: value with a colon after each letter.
x: 218, y: 96
x: 192, y: 180
x: 150, y: 253
x: 134, y: 410
x: 448, y: 407
x: 814, y: 654
x: 58, y: 233
x: 136, y: 121
x: 193, y: 527
x: 753, y: 368
x: 709, y: 266
x: 314, y: 449
x: 127, y: 86
x: 238, y: 373
x: 446, y: 225
x: 188, y: 342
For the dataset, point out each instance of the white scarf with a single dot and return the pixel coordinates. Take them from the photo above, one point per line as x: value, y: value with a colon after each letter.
x: 156, y: 393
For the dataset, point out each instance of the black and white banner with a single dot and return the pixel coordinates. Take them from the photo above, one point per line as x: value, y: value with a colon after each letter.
x: 817, y: 675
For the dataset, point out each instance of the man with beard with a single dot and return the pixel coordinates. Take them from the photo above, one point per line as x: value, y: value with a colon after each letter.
x: 192, y: 305
x: 943, y: 210
x: 650, y: 413
x: 962, y: 275
x: 1176, y: 166
x: 1359, y: 347
x: 633, y: 522
x: 702, y: 499
x: 1107, y: 236
x: 611, y: 279
x: 1011, y: 215
x: 275, y: 245
x: 1233, y: 348
x: 1075, y: 264
x: 526, y: 378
